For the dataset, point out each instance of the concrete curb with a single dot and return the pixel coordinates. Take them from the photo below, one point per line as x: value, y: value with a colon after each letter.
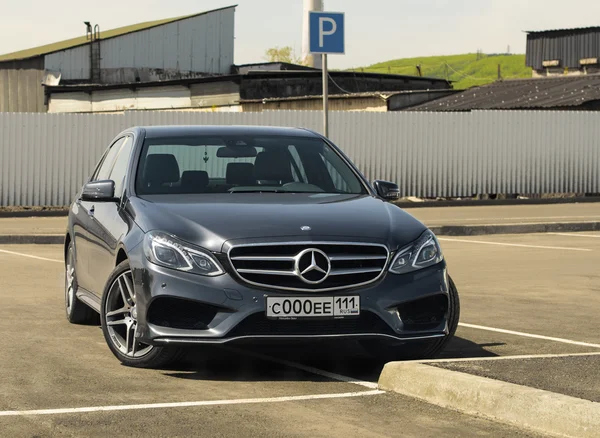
x: 477, y: 230
x: 57, y: 211
x: 529, y: 408
x: 52, y: 239
x: 34, y: 213
x: 497, y: 202
x: 444, y: 230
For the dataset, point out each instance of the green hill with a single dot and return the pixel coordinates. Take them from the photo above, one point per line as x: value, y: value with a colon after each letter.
x: 466, y: 70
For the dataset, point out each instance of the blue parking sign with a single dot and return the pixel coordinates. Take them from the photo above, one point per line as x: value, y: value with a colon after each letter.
x: 326, y: 30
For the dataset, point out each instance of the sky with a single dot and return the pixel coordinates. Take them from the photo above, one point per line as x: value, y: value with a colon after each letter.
x: 376, y: 30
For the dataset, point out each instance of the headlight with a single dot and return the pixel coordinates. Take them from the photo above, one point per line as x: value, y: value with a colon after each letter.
x: 166, y: 250
x: 423, y: 252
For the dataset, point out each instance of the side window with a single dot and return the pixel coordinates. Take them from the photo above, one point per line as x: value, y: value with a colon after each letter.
x: 333, y: 163
x: 106, y: 166
x: 121, y: 164
x: 297, y: 166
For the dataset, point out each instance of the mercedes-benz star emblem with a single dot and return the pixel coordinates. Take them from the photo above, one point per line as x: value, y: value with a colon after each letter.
x: 312, y: 266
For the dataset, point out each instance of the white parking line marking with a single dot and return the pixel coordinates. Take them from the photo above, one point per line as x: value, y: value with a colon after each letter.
x: 520, y: 218
x: 597, y: 236
x: 308, y: 369
x: 30, y: 256
x: 528, y: 335
x: 492, y: 358
x: 187, y: 404
x: 484, y: 242
x: 500, y: 224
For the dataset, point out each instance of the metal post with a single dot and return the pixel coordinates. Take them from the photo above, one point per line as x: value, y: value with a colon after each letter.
x: 325, y: 97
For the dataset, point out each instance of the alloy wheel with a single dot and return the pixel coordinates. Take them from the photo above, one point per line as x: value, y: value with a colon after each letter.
x: 121, y: 317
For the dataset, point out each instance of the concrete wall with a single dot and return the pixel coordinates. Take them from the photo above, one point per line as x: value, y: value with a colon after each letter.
x: 214, y: 94
x: 21, y: 86
x: 558, y: 71
x: 196, y: 96
x: 45, y: 158
x: 335, y: 104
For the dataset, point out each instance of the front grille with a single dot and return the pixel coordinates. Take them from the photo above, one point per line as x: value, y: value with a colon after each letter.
x: 282, y: 265
x: 259, y: 325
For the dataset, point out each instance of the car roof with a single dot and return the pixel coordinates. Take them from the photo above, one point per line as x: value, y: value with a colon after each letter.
x: 184, y: 130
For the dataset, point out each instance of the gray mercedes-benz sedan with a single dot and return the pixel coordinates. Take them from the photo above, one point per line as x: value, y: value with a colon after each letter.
x: 190, y: 235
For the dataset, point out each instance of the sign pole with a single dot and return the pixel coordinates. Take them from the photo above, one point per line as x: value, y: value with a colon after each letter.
x: 325, y: 97
x: 326, y: 35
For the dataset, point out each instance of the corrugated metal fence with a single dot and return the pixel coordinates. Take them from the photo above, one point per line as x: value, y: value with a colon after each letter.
x: 44, y: 158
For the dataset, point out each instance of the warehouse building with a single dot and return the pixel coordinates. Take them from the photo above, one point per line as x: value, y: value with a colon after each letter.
x: 186, y: 63
x: 249, y: 89
x: 564, y: 51
x: 191, y: 46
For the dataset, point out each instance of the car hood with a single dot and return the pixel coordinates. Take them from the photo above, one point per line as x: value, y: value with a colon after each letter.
x: 210, y: 220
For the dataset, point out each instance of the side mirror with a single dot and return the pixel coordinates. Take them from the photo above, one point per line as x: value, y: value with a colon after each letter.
x: 99, y: 191
x: 386, y: 190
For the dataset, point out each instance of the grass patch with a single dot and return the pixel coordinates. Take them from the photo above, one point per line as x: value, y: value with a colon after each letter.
x: 466, y: 70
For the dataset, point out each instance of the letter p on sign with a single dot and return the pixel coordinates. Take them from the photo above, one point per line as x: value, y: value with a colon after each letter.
x: 326, y: 32
x: 323, y: 32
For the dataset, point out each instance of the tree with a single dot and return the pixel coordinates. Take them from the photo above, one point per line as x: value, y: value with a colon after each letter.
x: 283, y: 54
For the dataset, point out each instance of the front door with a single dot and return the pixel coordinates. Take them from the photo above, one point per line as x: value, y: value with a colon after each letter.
x: 86, y: 227
x: 108, y: 224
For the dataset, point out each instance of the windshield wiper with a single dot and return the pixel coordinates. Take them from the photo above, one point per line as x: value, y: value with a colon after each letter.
x: 259, y: 191
x: 269, y: 191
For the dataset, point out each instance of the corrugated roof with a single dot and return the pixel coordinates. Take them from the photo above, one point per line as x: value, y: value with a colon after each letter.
x: 574, y: 29
x: 380, y: 95
x: 564, y: 91
x: 104, y: 34
x: 272, y: 66
x: 383, y: 95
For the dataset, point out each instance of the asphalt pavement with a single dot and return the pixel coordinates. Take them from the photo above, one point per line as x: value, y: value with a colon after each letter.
x: 49, y: 364
x: 33, y: 225
x: 576, y: 376
x: 521, y: 295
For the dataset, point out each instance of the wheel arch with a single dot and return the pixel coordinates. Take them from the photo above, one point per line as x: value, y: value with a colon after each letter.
x: 68, y: 240
x: 121, y: 256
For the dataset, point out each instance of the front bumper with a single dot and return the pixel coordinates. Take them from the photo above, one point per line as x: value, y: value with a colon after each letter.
x: 180, y: 308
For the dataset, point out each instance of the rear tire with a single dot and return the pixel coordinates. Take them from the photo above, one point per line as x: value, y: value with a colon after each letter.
x: 76, y: 311
x: 423, y: 349
x: 119, y: 324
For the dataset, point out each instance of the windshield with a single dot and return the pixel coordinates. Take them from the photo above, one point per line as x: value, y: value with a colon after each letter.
x: 233, y: 164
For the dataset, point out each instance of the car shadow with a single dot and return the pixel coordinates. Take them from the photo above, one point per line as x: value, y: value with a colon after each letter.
x: 223, y: 364
x: 459, y: 348
x: 242, y: 364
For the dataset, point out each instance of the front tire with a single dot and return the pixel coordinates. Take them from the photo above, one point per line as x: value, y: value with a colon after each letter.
x: 76, y: 311
x: 119, y: 324
x: 424, y: 349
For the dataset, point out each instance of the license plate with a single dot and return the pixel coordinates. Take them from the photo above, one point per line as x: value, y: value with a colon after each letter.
x: 313, y: 307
